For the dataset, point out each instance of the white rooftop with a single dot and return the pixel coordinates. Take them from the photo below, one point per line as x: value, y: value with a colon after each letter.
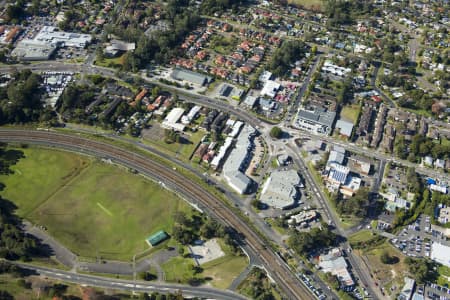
x: 234, y: 166
x: 265, y: 76
x: 440, y: 254
x: 279, y: 190
x: 172, y: 118
x: 51, y: 35
x: 270, y: 88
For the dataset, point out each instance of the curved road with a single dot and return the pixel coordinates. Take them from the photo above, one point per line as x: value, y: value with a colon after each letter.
x: 130, y: 285
x: 282, y: 275
x: 182, y: 93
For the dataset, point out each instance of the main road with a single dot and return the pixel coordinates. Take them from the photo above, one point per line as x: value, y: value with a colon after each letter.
x: 224, y: 106
x: 131, y: 285
x: 358, y: 267
x: 190, y: 189
x: 182, y: 93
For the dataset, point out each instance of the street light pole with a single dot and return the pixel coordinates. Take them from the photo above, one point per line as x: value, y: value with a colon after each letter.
x: 134, y: 272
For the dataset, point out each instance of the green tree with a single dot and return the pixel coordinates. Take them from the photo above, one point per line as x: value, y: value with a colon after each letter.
x: 385, y: 257
x: 356, y: 205
x: 155, y: 91
x: 99, y: 54
x: 304, y: 242
x: 276, y: 132
x: 283, y: 58
x: 422, y: 270
x: 332, y: 280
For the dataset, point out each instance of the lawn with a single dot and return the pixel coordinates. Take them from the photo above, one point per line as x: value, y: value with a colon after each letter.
x: 41, y: 173
x: 387, y: 275
x: 348, y: 221
x: 350, y: 112
x: 361, y: 236
x: 155, y: 138
x: 122, y: 208
x: 14, y: 287
x: 179, y: 269
x: 111, y: 62
x: 223, y: 44
x: 224, y: 269
x: 280, y: 230
x: 445, y: 142
x: 306, y: 3
x: 444, y: 275
x: 220, y: 272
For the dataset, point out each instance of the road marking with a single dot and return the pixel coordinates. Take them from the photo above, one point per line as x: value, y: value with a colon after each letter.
x: 105, y: 209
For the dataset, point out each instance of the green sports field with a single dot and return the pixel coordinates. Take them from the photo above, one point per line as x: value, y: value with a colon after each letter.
x: 90, y: 206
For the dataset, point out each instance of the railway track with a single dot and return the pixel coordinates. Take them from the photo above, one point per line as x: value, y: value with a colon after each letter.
x: 277, y: 269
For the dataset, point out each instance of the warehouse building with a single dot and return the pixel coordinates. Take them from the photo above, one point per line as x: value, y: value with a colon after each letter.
x: 192, y: 114
x: 30, y: 50
x: 280, y: 190
x: 237, y: 162
x: 345, y: 128
x: 190, y: 76
x: 52, y: 36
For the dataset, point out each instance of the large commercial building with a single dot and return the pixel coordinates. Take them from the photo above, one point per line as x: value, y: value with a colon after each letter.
x: 280, y: 189
x: 345, y: 128
x: 50, y: 35
x: 46, y: 42
x: 316, y: 120
x: 236, y: 163
x: 189, y: 76
x: 30, y: 50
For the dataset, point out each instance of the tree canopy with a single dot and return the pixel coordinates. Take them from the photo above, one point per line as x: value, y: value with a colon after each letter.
x: 20, y: 100
x: 285, y: 56
x: 356, y: 205
x: 422, y: 270
x: 305, y: 242
x: 276, y: 132
x: 344, y: 12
